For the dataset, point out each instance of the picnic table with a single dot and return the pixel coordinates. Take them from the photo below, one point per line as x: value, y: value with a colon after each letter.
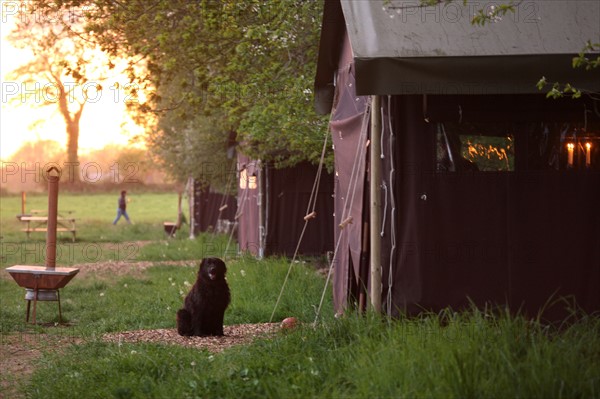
x: 37, y: 224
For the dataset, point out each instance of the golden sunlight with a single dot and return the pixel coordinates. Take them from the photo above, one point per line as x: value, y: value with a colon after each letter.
x: 104, y: 120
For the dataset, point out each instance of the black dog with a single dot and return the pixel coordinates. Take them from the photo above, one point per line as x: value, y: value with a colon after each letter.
x: 205, y: 305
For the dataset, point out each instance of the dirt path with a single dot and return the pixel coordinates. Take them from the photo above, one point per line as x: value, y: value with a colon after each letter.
x: 121, y: 268
x: 19, y: 353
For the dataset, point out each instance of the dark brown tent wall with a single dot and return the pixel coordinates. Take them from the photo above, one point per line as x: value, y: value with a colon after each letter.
x: 206, y: 208
x: 289, y: 191
x: 520, y: 236
x: 282, y: 208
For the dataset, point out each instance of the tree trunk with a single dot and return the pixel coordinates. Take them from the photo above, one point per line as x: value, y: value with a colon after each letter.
x: 72, y: 167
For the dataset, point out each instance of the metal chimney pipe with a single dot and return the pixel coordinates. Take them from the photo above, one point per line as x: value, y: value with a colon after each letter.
x: 53, y: 179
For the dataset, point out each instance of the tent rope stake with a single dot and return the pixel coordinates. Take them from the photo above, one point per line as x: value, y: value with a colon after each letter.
x: 311, y: 215
x: 346, y: 222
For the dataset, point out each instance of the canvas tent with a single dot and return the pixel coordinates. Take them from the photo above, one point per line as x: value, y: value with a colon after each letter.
x: 212, y: 209
x: 490, y: 192
x: 272, y: 204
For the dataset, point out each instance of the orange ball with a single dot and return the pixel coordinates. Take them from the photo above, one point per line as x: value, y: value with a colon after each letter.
x: 289, y: 323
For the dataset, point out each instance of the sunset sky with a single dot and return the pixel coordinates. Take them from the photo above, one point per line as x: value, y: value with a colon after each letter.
x: 103, y: 121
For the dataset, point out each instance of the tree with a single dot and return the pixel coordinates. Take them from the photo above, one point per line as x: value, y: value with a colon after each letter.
x: 584, y: 59
x: 216, y: 67
x: 273, y: 67
x: 193, y: 146
x: 64, y: 72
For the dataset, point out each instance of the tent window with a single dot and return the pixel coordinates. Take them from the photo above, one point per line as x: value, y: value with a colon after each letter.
x: 247, y: 181
x: 563, y: 146
x: 474, y: 147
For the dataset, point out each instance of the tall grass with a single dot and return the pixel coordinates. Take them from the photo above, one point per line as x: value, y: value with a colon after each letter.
x: 471, y: 355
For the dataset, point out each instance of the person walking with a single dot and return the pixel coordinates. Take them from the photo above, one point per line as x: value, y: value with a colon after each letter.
x: 122, y: 208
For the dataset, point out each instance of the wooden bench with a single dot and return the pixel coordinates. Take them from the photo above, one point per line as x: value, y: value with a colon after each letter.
x: 39, y: 224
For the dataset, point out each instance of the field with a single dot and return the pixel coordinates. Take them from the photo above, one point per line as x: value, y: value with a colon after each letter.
x: 132, y: 278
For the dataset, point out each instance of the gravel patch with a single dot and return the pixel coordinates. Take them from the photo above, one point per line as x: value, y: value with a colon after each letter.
x: 120, y: 268
x: 239, y: 334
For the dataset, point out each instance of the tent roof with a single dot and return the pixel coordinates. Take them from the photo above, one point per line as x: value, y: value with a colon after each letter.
x: 400, y: 48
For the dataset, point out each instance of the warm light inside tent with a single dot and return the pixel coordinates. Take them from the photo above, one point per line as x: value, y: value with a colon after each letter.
x: 247, y: 181
x: 570, y: 151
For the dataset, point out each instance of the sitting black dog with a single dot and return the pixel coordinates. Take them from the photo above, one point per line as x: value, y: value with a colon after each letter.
x: 204, y: 306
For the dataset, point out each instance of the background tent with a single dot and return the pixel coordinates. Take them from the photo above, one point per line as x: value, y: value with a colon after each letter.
x: 484, y: 199
x: 272, y: 204
x: 207, y: 205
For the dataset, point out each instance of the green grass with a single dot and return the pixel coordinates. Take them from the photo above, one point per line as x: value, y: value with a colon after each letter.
x: 97, y: 239
x: 94, y: 214
x: 96, y: 304
x: 450, y: 355
x: 472, y: 355
x: 182, y: 248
